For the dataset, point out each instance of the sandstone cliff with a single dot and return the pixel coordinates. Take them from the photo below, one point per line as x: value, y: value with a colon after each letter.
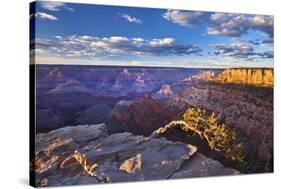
x: 117, y: 158
x: 251, y: 76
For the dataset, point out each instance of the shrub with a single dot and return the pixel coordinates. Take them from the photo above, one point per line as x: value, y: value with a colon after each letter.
x: 218, y: 136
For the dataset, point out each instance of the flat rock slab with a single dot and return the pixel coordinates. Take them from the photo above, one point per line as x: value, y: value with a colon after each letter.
x: 201, y: 166
x: 119, y: 157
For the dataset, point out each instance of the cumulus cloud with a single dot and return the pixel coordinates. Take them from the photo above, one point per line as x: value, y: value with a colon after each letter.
x: 240, y: 49
x: 226, y: 24
x: 236, y: 25
x: 254, y: 42
x: 262, y: 23
x: 131, y: 19
x: 267, y: 41
x: 162, y: 42
x: 92, y: 46
x: 236, y: 49
x: 54, y: 6
x: 184, y: 18
x: 44, y: 16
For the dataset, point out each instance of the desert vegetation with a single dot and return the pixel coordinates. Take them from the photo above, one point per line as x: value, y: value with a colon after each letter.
x: 194, y: 121
x: 218, y: 136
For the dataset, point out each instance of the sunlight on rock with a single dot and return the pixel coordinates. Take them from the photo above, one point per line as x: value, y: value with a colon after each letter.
x: 132, y: 165
x: 250, y: 76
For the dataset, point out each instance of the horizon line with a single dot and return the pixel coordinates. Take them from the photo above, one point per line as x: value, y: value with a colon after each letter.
x: 152, y: 66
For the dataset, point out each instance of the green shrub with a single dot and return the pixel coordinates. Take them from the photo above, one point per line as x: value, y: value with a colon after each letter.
x: 218, y: 136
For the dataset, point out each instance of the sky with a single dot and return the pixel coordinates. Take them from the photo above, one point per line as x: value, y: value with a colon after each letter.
x: 72, y: 33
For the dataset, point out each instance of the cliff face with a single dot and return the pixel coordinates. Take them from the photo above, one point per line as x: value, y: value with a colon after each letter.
x: 140, y: 116
x: 245, y: 109
x: 178, y: 87
x: 251, y: 76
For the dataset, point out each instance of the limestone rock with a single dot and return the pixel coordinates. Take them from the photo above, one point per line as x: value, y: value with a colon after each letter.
x: 118, y: 157
x: 200, y: 166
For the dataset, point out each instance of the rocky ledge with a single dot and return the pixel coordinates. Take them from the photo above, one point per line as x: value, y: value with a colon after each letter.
x: 116, y: 158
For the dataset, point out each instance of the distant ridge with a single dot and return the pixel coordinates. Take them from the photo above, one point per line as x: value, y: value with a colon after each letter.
x: 249, y: 76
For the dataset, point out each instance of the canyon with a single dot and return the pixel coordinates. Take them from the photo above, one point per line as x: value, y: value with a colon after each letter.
x: 102, y: 111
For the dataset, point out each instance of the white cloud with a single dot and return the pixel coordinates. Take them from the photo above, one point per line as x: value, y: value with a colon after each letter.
x: 43, y: 59
x: 137, y: 39
x: 54, y: 6
x: 131, y: 19
x: 187, y: 63
x: 240, y: 50
x: 227, y: 24
x: 237, y: 24
x: 45, y: 16
x: 259, y: 20
x: 58, y: 37
x: 92, y: 46
x: 183, y: 18
x: 162, y: 42
x: 117, y: 39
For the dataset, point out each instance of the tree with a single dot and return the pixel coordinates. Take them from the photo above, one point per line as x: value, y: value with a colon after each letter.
x: 218, y: 136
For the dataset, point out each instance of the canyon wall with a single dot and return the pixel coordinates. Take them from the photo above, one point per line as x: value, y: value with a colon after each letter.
x: 245, y: 109
x: 251, y: 76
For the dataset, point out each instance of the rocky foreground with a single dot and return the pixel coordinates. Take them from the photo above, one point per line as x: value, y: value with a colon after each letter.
x: 119, y: 157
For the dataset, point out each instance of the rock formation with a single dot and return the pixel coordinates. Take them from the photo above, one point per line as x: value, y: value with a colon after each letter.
x: 71, y: 86
x: 247, y: 110
x: 140, y: 100
x: 251, y: 76
x: 117, y: 158
x: 139, y: 116
x: 178, y: 87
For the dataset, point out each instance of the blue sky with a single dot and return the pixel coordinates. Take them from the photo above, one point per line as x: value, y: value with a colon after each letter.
x: 68, y: 33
